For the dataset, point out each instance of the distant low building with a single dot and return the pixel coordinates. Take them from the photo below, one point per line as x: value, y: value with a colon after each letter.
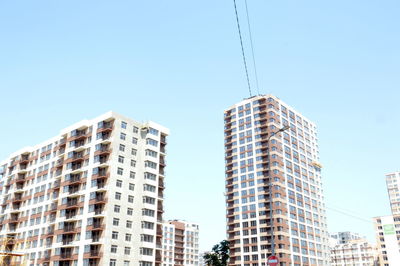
x: 344, y: 237
x: 180, y: 243
x: 348, y: 248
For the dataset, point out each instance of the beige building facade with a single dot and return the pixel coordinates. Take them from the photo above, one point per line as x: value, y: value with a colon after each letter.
x: 284, y: 167
x: 180, y: 243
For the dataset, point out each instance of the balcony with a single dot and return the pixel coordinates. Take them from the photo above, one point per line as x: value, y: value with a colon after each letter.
x: 105, y: 126
x: 103, y: 150
x: 17, y: 198
x: 66, y: 255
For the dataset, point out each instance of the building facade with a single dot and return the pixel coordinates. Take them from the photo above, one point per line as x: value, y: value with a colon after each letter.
x: 93, y: 195
x: 344, y: 237
x: 393, y: 184
x: 180, y: 243
x: 350, y: 249
x: 387, y: 231
x: 283, y: 168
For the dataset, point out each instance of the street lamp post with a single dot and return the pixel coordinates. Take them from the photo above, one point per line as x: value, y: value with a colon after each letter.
x: 270, y: 188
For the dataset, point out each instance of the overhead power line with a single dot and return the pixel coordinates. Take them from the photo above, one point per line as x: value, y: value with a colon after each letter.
x: 241, y: 45
x: 344, y: 212
x: 252, y: 48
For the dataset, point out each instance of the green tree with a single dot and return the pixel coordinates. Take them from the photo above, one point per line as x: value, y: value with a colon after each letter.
x: 219, y: 256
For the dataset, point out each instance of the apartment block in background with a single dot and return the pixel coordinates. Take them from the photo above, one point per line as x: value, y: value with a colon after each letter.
x: 93, y: 195
x: 344, y: 237
x: 180, y: 243
x: 393, y: 185
x: 350, y: 249
x: 285, y: 168
x: 387, y: 231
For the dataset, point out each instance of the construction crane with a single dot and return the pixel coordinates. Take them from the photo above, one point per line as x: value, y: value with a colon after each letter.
x: 9, y: 253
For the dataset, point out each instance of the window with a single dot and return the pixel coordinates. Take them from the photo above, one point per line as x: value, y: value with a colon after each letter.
x: 119, y: 183
x: 117, y: 208
x: 127, y: 251
x: 151, y: 153
x: 121, y: 147
x: 128, y: 224
x: 146, y: 238
x: 130, y: 199
x: 114, y: 235
x: 113, y: 262
x: 148, y: 212
x: 117, y: 195
x: 116, y: 221
x: 147, y: 225
x: 150, y: 176
x: 129, y: 211
x: 133, y: 163
x: 131, y: 186
x: 133, y: 152
x: 123, y: 125
x: 146, y: 251
x: 148, y: 187
x: 150, y: 164
x: 128, y: 237
x: 121, y: 159
x: 153, y: 131
x: 135, y: 129
x: 134, y: 140
x: 149, y: 200
x: 120, y: 171
x: 152, y: 142
x: 122, y: 136
x: 132, y: 174
x: 113, y: 248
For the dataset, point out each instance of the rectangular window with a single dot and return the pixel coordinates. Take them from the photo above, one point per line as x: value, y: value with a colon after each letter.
x: 123, y: 125
x: 117, y: 208
x: 128, y: 224
x: 130, y: 199
x: 113, y: 248
x: 127, y: 251
x: 114, y: 235
x: 121, y: 147
x: 117, y: 195
x: 116, y: 221
x: 128, y: 237
x: 120, y: 171
x: 122, y: 136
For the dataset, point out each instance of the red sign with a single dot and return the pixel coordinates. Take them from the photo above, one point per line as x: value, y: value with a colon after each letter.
x: 272, y: 261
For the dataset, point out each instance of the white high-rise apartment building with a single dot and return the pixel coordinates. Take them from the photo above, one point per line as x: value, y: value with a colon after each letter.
x: 284, y: 167
x: 387, y: 229
x: 180, y: 243
x: 393, y: 185
x: 93, y: 195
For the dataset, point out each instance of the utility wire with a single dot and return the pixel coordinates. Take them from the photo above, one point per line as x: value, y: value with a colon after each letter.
x: 350, y: 215
x: 241, y: 44
x: 252, y: 48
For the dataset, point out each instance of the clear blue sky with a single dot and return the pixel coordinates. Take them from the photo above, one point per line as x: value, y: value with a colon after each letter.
x: 179, y: 63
